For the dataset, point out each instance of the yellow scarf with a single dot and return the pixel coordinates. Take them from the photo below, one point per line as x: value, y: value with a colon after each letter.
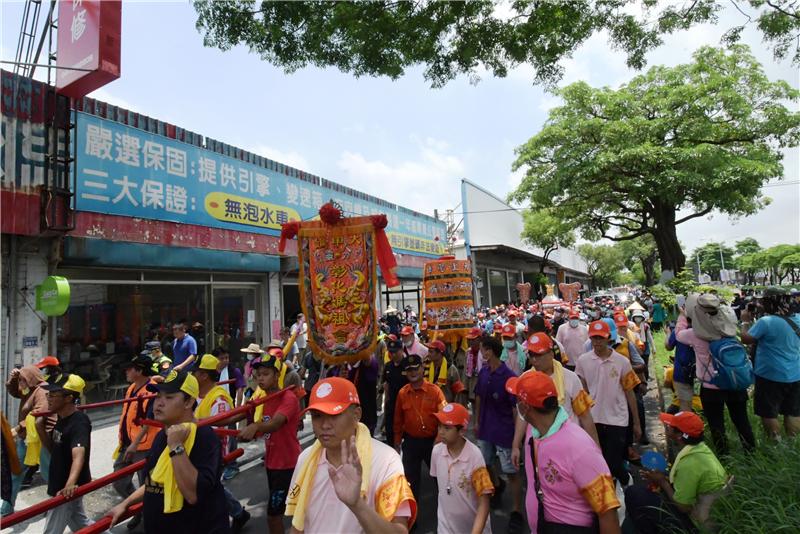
x: 558, y: 378
x: 282, y: 376
x: 32, y: 441
x: 259, y: 412
x: 203, y: 410
x: 442, y: 380
x: 299, y: 493
x: 163, y: 474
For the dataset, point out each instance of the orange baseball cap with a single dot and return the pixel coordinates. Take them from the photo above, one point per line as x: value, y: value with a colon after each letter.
x: 497, y: 328
x: 332, y: 396
x: 540, y: 343
x: 474, y: 333
x: 599, y: 329
x: 453, y: 414
x: 509, y: 330
x: 574, y: 314
x: 492, y: 310
x: 532, y: 388
x: 687, y: 422
x: 437, y: 345
x: 406, y: 331
x: 620, y: 319
x: 48, y: 361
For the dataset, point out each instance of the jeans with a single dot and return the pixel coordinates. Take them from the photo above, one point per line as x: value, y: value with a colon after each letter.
x: 234, y: 506
x: 70, y: 514
x: 44, y: 469
x: 714, y: 403
x: 415, y: 451
x: 124, y: 486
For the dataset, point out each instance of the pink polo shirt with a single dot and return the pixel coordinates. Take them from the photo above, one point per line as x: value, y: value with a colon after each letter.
x: 573, y: 339
x: 574, y: 477
x: 702, y: 352
x: 326, y: 513
x: 608, y: 379
x: 467, y: 478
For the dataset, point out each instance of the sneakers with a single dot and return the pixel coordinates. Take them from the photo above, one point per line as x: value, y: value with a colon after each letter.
x: 230, y: 471
x: 239, y: 521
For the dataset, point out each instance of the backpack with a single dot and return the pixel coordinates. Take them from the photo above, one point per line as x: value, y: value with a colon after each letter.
x: 732, y: 368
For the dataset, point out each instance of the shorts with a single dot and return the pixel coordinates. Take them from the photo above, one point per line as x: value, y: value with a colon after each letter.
x: 776, y: 398
x: 684, y: 392
x: 278, y: 481
x: 489, y: 450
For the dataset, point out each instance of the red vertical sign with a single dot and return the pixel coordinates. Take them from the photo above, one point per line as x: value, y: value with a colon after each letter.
x: 88, y: 38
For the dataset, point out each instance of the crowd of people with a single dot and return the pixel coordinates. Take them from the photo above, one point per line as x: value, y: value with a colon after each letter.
x: 542, y: 401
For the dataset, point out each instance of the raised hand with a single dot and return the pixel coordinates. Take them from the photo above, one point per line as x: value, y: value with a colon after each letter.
x: 347, y: 478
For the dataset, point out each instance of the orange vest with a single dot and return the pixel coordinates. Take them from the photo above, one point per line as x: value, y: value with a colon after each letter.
x: 132, y: 411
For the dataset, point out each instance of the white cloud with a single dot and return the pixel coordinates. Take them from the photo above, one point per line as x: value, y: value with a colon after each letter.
x: 287, y: 157
x: 424, y: 183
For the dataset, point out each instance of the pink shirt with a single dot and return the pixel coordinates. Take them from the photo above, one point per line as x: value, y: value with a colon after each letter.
x: 573, y: 339
x: 574, y: 478
x: 702, y: 352
x: 467, y: 478
x: 608, y: 379
x: 326, y: 513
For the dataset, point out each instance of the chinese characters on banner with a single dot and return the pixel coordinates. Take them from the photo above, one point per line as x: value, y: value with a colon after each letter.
x: 126, y: 171
x: 449, y: 307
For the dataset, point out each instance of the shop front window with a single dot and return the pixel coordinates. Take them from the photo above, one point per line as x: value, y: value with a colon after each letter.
x: 235, y: 319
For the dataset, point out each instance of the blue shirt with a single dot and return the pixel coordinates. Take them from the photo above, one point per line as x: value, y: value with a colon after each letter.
x: 497, y: 416
x: 778, y: 351
x: 182, y: 349
x: 684, y: 356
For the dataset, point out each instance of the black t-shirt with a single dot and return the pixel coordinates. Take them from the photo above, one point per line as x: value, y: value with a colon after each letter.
x: 69, y: 433
x: 393, y: 375
x: 210, y: 513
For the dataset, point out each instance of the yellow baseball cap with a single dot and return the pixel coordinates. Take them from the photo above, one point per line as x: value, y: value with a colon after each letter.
x: 67, y: 382
x: 208, y: 362
x: 177, y: 381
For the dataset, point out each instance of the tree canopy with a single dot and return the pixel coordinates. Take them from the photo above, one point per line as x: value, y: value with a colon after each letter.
x: 603, y: 263
x: 384, y: 38
x: 640, y: 257
x: 698, y: 137
x: 710, y: 258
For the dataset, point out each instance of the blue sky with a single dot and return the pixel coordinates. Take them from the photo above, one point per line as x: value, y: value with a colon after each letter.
x: 399, y: 140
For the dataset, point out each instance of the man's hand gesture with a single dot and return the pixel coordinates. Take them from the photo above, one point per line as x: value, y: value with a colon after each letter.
x: 347, y: 477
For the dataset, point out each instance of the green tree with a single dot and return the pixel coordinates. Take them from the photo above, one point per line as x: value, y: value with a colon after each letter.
x: 791, y: 264
x: 642, y: 252
x: 603, y: 264
x: 699, y: 137
x: 384, y: 38
x: 710, y: 257
x: 544, y: 231
x: 747, y: 245
x: 773, y: 258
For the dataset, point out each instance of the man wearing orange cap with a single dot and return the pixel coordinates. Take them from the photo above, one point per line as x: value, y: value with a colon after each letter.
x: 519, y: 328
x: 442, y: 373
x: 50, y: 367
x: 695, y: 476
x: 347, y: 481
x: 570, y: 488
x: 573, y: 335
x: 411, y: 344
x: 610, y: 380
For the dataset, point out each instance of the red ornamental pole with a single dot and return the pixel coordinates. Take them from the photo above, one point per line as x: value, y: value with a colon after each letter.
x: 104, y: 522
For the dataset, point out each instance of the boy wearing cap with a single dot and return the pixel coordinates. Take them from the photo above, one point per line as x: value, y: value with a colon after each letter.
x: 464, y: 482
x: 439, y: 372
x: 69, y: 445
x: 135, y: 440
x: 412, y: 345
x: 50, y: 367
x: 513, y: 354
x: 394, y: 379
x: 414, y: 422
x: 695, y: 476
x: 570, y: 488
x: 610, y: 380
x: 182, y: 491
x: 347, y: 481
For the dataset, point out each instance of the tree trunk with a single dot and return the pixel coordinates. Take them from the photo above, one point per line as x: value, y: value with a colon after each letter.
x: 666, y: 237
x: 649, y: 269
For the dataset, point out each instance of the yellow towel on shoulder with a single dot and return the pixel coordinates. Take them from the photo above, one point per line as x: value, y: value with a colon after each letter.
x: 163, y: 474
x: 259, y: 411
x: 203, y: 410
x: 297, y: 500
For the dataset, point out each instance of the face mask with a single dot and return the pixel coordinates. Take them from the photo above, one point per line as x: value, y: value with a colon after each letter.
x: 493, y: 316
x: 574, y: 323
x: 638, y: 320
x: 510, y: 344
x: 250, y: 356
x: 408, y: 342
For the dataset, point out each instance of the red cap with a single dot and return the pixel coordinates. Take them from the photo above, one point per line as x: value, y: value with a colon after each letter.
x: 540, y: 343
x: 492, y: 310
x: 574, y: 314
x: 48, y: 361
x: 509, y: 330
x: 620, y: 319
x: 687, y: 422
x: 332, y: 396
x: 406, y: 331
x: 599, y: 329
x: 497, y: 328
x: 532, y: 388
x: 453, y: 414
x: 481, y: 315
x: 474, y: 333
x: 437, y: 345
